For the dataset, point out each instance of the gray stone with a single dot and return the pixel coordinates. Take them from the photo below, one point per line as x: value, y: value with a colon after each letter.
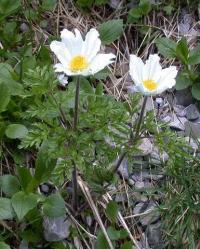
x: 184, y: 97
x: 158, y: 157
x: 123, y: 169
x: 56, y: 229
x: 154, y: 235
x: 192, y: 144
x: 192, y: 129
x: 178, y: 123
x: 166, y: 119
x: 192, y: 112
x: 145, y: 147
x: 24, y: 27
x: 139, y: 185
x: 180, y: 110
x: 23, y: 245
x: 149, y: 212
x: 89, y: 220
x: 114, y: 3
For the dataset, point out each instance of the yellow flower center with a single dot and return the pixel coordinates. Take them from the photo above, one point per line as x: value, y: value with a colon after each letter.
x: 151, y: 85
x: 78, y: 63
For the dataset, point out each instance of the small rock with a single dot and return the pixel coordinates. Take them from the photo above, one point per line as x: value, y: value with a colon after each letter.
x: 178, y: 123
x: 145, y: 147
x: 192, y: 112
x: 121, y: 197
x: 191, y: 143
x: 139, y: 185
x: 23, y: 245
x: 123, y: 169
x: 44, y: 188
x: 180, y: 111
x: 56, y: 229
x: 131, y: 182
x: 154, y: 235
x: 157, y: 157
x: 89, y: 220
x: 184, y: 97
x: 24, y: 27
x: 150, y: 210
x: 114, y: 3
x: 166, y: 119
x: 192, y: 129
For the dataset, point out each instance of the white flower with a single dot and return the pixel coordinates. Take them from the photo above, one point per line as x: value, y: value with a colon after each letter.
x: 150, y: 78
x: 78, y: 56
x: 62, y: 79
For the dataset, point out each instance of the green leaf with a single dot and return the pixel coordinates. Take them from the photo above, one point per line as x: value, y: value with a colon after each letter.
x: 4, y: 245
x: 23, y: 203
x: 4, y: 96
x: 101, y: 242
x: 127, y: 245
x: 44, y: 163
x: 14, y: 131
x: 86, y: 86
x: 112, y: 211
x: 9, y: 184
x: 8, y: 7
x: 54, y: 206
x: 182, y: 81
x: 194, y: 56
x: 85, y: 3
x: 145, y: 6
x: 110, y: 30
x: 134, y: 15
x: 196, y: 91
x: 166, y: 47
x: 48, y: 4
x: 24, y: 176
x: 6, y: 211
x: 113, y: 233
x: 182, y: 51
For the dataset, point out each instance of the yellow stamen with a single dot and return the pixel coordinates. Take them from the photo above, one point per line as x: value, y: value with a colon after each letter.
x: 151, y: 85
x: 78, y: 63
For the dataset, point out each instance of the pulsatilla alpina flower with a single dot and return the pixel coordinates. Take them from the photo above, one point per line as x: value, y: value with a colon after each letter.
x: 78, y: 56
x: 149, y: 77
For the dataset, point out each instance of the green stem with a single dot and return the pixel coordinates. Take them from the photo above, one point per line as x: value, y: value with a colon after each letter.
x: 74, y: 172
x: 76, y: 103
x: 133, y: 138
x: 140, y: 118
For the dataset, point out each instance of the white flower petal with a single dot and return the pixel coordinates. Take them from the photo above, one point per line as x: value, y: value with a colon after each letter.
x: 99, y: 62
x: 91, y: 45
x: 60, y: 51
x: 73, y: 42
x: 167, y: 79
x: 136, y: 68
x: 152, y: 68
x: 59, y: 68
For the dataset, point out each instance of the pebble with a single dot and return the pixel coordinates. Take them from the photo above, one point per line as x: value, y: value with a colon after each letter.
x: 145, y: 147
x: 23, y: 245
x: 192, y: 129
x: 178, y: 123
x: 154, y: 235
x: 158, y: 157
x: 184, y: 97
x: 123, y: 169
x: 56, y: 229
x: 192, y: 112
x: 114, y: 3
x: 180, y: 110
x: 152, y: 212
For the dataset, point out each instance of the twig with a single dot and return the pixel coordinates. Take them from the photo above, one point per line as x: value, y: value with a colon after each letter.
x: 87, y: 194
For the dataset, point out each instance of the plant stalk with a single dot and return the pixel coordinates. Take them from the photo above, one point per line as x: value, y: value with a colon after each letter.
x: 74, y: 172
x: 76, y: 103
x: 133, y: 138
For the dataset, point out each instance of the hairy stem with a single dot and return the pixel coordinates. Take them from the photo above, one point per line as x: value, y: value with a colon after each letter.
x: 76, y: 103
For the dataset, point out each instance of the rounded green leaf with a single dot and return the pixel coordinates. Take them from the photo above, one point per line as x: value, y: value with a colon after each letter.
x: 4, y: 96
x: 23, y: 203
x: 196, y: 91
x: 3, y: 245
x: 182, y: 81
x: 111, y: 31
x: 6, y: 211
x: 9, y: 184
x: 54, y: 206
x: 16, y: 131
